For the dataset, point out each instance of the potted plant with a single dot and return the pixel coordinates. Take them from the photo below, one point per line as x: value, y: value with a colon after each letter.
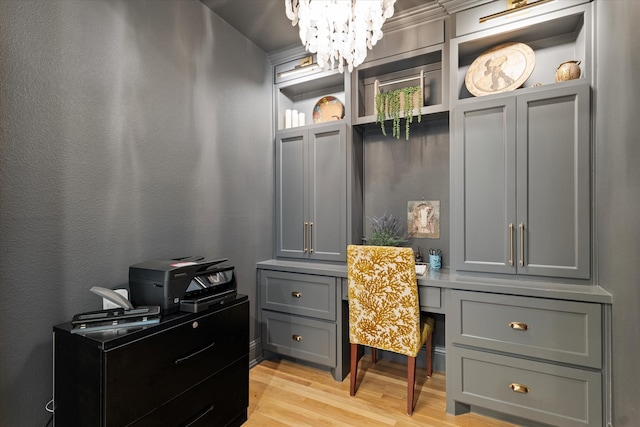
x: 385, y: 231
x: 391, y: 104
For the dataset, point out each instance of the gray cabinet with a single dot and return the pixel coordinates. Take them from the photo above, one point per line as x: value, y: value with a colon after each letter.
x: 534, y: 358
x: 302, y: 317
x: 522, y: 183
x: 311, y: 192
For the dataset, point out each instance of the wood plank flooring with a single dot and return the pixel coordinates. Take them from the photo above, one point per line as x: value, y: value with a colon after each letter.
x: 283, y: 393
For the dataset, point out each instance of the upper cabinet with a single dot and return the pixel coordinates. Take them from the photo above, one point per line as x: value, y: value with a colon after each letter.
x: 317, y: 192
x: 555, y: 32
x: 521, y: 159
x: 521, y: 189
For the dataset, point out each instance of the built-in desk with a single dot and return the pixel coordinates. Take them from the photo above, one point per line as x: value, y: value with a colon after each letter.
x: 533, y: 350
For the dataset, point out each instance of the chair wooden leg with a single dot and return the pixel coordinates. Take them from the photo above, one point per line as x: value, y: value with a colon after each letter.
x: 429, y: 357
x: 374, y: 355
x: 354, y: 369
x: 411, y: 381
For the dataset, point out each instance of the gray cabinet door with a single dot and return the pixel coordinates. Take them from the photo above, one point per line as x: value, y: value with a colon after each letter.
x: 311, y: 193
x: 485, y: 190
x: 522, y: 183
x: 291, y: 193
x: 328, y: 193
x: 553, y: 182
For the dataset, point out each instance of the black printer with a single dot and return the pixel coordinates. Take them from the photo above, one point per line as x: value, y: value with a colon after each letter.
x: 186, y: 284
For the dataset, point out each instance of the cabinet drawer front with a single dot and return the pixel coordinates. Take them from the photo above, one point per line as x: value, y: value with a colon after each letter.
x: 304, y: 294
x: 306, y: 339
x: 214, y: 402
x: 557, y: 395
x: 430, y: 297
x: 152, y: 371
x: 563, y: 331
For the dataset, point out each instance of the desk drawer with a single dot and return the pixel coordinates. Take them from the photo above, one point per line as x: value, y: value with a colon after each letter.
x: 303, y: 294
x: 430, y: 297
x: 298, y: 337
x: 562, y: 331
x: 557, y: 395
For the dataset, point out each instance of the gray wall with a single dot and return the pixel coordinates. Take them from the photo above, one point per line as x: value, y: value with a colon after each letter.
x: 129, y: 130
x: 397, y: 171
x: 618, y: 192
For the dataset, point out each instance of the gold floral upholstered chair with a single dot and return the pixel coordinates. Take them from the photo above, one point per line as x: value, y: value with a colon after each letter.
x: 384, y: 311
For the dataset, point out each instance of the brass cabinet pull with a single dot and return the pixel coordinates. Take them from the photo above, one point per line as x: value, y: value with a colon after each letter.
x: 519, y: 388
x: 304, y: 237
x: 511, y: 245
x: 310, y: 237
x: 296, y: 294
x: 296, y: 337
x: 519, y: 326
x: 521, y: 226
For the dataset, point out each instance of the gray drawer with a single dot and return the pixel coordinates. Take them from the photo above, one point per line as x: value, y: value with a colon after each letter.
x: 563, y: 331
x: 299, y: 337
x: 430, y: 298
x: 557, y: 395
x: 304, y: 294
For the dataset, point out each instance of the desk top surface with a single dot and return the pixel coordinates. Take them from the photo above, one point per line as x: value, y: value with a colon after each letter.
x: 444, y: 278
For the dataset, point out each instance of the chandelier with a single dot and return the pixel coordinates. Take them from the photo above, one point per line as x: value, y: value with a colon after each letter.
x: 339, y: 30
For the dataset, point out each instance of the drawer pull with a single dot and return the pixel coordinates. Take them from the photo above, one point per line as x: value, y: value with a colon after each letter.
x: 199, y: 417
x: 519, y: 326
x: 519, y: 388
x: 185, y: 358
x: 296, y: 294
x: 296, y: 337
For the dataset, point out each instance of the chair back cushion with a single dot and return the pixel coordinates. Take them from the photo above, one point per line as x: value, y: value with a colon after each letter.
x: 384, y: 311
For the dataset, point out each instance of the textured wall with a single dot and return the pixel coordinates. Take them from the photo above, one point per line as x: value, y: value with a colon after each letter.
x: 618, y: 193
x: 129, y: 130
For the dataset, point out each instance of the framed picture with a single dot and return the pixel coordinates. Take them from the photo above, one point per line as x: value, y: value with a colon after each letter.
x: 423, y: 219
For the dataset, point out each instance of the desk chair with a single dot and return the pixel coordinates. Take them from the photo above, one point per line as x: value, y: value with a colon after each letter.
x: 384, y: 312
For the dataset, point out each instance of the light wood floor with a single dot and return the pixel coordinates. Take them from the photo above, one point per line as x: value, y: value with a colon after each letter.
x: 283, y: 393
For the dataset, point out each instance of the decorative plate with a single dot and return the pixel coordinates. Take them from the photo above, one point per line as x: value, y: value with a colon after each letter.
x: 500, y: 69
x: 328, y: 108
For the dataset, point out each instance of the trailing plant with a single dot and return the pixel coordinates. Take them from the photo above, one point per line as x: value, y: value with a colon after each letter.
x: 388, y: 106
x: 385, y: 231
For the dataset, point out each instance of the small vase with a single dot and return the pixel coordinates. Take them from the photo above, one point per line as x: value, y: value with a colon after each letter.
x: 568, y: 71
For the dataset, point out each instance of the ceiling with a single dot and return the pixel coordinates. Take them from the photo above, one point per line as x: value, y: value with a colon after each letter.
x: 264, y: 21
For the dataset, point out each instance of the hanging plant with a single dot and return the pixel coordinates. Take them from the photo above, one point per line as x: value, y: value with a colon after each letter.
x: 388, y: 106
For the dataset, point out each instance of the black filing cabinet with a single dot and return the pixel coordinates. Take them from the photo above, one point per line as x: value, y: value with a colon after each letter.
x: 191, y: 369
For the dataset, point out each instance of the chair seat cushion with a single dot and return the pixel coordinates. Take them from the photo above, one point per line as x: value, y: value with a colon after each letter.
x: 426, y: 328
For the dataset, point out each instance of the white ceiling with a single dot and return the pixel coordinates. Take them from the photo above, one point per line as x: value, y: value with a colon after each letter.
x: 265, y: 23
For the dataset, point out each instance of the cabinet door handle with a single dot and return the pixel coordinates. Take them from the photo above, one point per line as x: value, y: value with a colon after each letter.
x: 296, y: 294
x: 519, y: 326
x: 205, y: 412
x: 519, y: 388
x: 310, y: 237
x: 185, y: 358
x: 296, y: 337
x: 511, y: 245
x: 521, y: 226
x: 304, y: 237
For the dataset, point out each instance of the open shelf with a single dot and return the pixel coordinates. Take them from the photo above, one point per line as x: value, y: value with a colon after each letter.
x: 302, y: 95
x: 555, y: 38
x: 422, y: 68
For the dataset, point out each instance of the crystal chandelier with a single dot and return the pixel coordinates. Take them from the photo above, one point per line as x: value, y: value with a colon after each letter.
x: 339, y: 30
